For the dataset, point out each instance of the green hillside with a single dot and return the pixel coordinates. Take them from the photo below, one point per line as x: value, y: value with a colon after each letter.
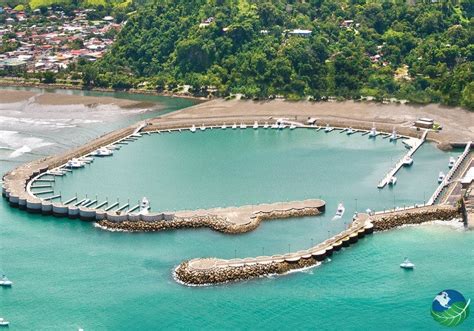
x: 421, y: 52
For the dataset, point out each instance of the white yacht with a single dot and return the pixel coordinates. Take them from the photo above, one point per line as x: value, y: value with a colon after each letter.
x: 5, y: 282
x: 393, y: 136
x: 234, y: 126
x: 265, y: 126
x: 223, y: 127
x: 373, y: 132
x: 292, y: 127
x: 3, y: 322
x: 340, y: 211
x: 281, y: 126
x: 202, y: 128
x: 350, y: 131
x: 406, y: 264
x: 86, y: 159
x: 328, y: 128
x: 193, y: 129
x: 255, y: 125
x: 74, y: 163
x: 392, y: 181
x: 144, y: 206
x: 275, y: 126
x: 408, y: 161
x: 243, y: 125
x: 452, y: 162
x: 103, y: 151
x: 441, y: 176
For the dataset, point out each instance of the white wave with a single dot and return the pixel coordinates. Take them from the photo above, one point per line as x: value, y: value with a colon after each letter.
x: 12, y: 140
x: 20, y: 151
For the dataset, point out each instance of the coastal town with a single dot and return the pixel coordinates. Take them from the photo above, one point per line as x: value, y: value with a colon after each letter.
x: 49, y: 40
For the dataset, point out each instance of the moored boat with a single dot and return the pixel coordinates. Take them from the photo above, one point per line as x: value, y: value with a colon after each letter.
x: 255, y: 125
x: 4, y: 322
x: 103, y: 151
x: 193, y: 128
x: 234, y: 126
x: 452, y: 162
x: 292, y: 127
x: 408, y: 161
x: 328, y: 128
x: 407, y: 264
x: 350, y: 131
x: 5, y: 282
x: 265, y: 126
x: 223, y: 127
x: 203, y: 127
x: 243, y: 125
x: 392, y: 181
x: 340, y: 211
x: 144, y: 206
x: 74, y: 164
x: 373, y: 132
x: 393, y: 136
x: 441, y: 176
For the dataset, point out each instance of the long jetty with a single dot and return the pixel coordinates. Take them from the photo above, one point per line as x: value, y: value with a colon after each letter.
x: 414, y: 147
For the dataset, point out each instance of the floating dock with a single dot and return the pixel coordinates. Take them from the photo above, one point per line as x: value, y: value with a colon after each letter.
x: 415, y: 144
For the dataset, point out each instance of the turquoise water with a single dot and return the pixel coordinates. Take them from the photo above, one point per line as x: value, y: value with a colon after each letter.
x: 69, y: 274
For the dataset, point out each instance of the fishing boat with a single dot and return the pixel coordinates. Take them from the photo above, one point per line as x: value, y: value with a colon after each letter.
x: 223, y: 127
x: 340, y: 211
x: 328, y: 128
x: 408, y: 161
x: 255, y: 125
x: 5, y: 282
x: 74, y: 164
x: 441, y: 176
x: 350, y: 131
x: 407, y: 264
x: 373, y: 132
x: 452, y: 162
x: 393, y: 136
x: 392, y: 181
x: 292, y: 127
x: 4, y: 322
x: 265, y: 126
x: 243, y: 126
x: 193, y: 129
x: 234, y: 126
x: 103, y: 151
x: 203, y: 127
x: 144, y: 206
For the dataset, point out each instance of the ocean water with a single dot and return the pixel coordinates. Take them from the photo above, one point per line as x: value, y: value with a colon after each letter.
x: 69, y: 274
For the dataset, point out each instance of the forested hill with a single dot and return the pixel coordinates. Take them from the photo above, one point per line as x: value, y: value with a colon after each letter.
x: 421, y: 52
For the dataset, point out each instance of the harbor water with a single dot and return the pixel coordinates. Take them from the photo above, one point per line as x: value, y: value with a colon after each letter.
x: 68, y: 274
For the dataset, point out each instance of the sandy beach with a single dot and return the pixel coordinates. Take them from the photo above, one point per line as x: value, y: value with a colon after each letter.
x: 458, y: 123
x: 56, y: 99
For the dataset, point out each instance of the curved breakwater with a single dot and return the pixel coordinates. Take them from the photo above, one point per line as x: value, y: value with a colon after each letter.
x: 206, y: 271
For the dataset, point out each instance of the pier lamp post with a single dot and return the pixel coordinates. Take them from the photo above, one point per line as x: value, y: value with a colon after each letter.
x: 289, y: 248
x: 235, y: 253
x: 312, y: 242
x: 263, y: 250
x: 424, y: 198
x: 356, y: 203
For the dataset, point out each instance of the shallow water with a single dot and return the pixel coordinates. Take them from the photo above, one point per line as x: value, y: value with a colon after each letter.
x: 69, y: 274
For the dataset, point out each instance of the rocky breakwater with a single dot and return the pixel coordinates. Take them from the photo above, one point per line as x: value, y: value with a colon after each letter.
x: 215, y: 221
x: 214, y: 271
x: 419, y: 215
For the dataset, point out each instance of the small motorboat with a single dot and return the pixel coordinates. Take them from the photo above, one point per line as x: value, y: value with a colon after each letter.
x: 373, y: 132
x: 452, y: 162
x: 234, y: 126
x: 4, y: 322
x: 392, y: 181
x: 328, y: 128
x: 281, y: 126
x: 441, y: 176
x: 223, y: 127
x: 406, y: 264
x: 408, y: 161
x: 243, y: 126
x: 144, y: 206
x: 5, y: 282
x: 202, y: 128
x: 74, y: 164
x: 265, y: 126
x: 292, y: 127
x: 350, y: 131
x: 340, y: 211
x: 393, y: 136
x: 193, y: 129
x: 255, y: 125
x: 275, y: 126
x: 103, y: 151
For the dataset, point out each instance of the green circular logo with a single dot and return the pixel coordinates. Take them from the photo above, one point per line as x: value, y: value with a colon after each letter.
x: 450, y: 308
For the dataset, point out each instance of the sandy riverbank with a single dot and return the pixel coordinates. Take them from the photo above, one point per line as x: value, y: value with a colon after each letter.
x: 57, y: 99
x: 458, y: 124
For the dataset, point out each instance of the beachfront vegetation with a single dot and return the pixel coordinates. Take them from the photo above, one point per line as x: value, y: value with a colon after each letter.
x: 422, y: 52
